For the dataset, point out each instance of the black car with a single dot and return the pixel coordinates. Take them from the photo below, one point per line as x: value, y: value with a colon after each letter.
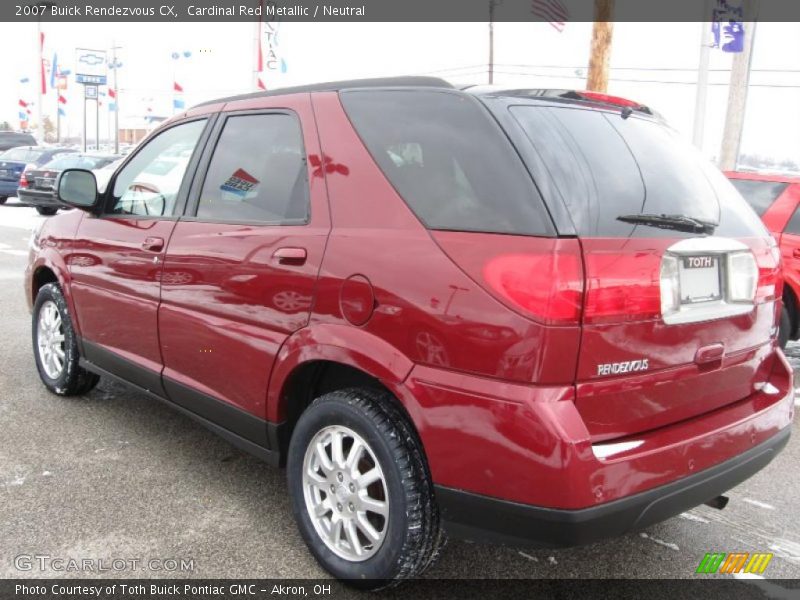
x: 36, y: 187
x: 16, y: 160
x: 12, y: 139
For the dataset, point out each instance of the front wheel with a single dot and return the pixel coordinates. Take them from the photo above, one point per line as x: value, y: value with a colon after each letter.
x: 3, y: 199
x: 46, y: 211
x: 55, y: 345
x: 361, y: 492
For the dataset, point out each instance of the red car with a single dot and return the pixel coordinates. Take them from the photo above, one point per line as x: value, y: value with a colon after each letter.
x: 775, y: 199
x: 525, y: 316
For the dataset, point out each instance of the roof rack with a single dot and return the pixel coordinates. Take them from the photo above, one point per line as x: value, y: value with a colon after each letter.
x: 335, y: 86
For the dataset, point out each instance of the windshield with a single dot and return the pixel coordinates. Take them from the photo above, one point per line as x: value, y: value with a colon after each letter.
x: 21, y: 155
x: 607, y: 167
x: 78, y: 162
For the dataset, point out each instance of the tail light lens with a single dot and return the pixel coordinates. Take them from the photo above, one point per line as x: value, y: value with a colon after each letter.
x: 23, y: 180
x: 770, y: 277
x: 549, y: 287
x: 670, y: 285
x: 742, y: 277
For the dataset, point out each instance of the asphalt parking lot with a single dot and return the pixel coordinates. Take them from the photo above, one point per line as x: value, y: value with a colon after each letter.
x: 115, y: 474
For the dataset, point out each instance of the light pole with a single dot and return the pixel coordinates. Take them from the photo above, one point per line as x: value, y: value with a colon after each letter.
x: 114, y: 65
x: 42, y: 6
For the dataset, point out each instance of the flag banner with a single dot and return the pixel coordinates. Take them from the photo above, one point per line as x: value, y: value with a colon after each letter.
x: 41, y: 64
x: 727, y: 26
x: 22, y: 116
x: 552, y: 11
x: 62, y: 112
x: 61, y: 99
x: 178, y: 104
x: 112, y: 107
x: 54, y: 70
x: 177, y: 87
x: 24, y: 80
x: 112, y: 93
x: 23, y: 104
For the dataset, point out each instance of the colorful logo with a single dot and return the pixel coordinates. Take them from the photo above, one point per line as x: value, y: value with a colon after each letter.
x: 241, y: 183
x: 735, y: 562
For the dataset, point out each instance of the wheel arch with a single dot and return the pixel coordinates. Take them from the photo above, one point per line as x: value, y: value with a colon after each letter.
x: 791, y: 304
x: 325, y: 358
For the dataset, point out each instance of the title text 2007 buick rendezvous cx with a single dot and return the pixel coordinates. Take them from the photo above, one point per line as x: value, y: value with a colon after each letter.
x: 521, y: 315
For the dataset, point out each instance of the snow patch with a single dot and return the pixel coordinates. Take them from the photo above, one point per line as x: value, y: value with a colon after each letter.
x: 787, y: 550
x: 552, y: 560
x: 529, y: 557
x: 46, y: 473
x: 759, y: 504
x: 669, y: 545
x: 690, y: 517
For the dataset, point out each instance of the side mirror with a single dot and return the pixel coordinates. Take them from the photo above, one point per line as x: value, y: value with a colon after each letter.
x: 78, y: 188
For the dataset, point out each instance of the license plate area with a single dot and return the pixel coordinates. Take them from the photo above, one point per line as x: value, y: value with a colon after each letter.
x: 700, y: 279
x: 45, y: 183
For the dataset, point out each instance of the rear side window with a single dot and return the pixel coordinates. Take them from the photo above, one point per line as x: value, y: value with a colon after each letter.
x: 258, y: 172
x: 448, y: 160
x: 606, y: 167
x: 759, y: 194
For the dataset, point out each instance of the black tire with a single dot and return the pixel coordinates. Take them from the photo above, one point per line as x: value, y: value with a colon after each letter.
x: 413, y: 535
x: 72, y: 380
x: 46, y: 211
x: 3, y: 199
x: 785, y: 328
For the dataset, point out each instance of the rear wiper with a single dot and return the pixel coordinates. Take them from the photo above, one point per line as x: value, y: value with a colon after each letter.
x: 674, y: 222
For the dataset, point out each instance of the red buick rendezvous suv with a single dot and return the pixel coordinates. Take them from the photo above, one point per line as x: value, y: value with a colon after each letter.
x: 527, y: 316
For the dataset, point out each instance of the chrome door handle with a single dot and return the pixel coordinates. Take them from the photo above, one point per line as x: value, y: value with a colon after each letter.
x: 290, y: 256
x: 153, y: 244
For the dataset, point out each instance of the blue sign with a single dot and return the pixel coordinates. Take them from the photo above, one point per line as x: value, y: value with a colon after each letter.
x: 91, y: 79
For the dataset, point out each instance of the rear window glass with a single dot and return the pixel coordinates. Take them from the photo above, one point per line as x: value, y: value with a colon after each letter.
x: 448, y: 160
x: 606, y: 167
x: 78, y: 162
x: 21, y: 155
x: 759, y: 194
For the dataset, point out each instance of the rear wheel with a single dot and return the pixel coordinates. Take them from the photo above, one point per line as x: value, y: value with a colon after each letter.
x: 361, y: 493
x: 3, y: 199
x: 55, y: 345
x: 46, y: 211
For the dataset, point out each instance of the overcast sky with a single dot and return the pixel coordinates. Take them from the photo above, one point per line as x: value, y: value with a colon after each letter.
x: 659, y: 60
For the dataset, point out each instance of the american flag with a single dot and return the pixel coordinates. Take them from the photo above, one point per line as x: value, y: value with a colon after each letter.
x: 552, y: 11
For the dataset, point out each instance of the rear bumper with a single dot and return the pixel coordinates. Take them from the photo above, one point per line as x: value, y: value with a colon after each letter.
x: 42, y: 199
x: 481, y: 518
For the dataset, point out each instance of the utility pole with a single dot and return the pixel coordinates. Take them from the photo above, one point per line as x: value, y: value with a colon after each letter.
x: 492, y: 5
x: 701, y: 93
x: 600, y: 57
x: 737, y: 94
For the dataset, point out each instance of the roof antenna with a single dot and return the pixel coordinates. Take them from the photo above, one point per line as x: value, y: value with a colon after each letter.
x: 627, y: 112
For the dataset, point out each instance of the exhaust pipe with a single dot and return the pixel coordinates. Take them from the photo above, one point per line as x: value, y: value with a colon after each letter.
x: 719, y: 502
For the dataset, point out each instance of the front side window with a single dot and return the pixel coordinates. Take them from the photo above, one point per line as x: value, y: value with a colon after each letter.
x: 149, y: 184
x: 258, y: 172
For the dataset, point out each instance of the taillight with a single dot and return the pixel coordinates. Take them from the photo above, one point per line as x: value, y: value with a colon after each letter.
x: 621, y: 285
x: 549, y: 286
x: 742, y: 277
x: 539, y: 277
x: 770, y: 277
x: 608, y: 99
x: 23, y: 180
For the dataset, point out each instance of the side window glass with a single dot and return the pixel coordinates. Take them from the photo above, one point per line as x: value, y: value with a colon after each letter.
x: 258, y: 172
x: 793, y: 226
x: 149, y: 183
